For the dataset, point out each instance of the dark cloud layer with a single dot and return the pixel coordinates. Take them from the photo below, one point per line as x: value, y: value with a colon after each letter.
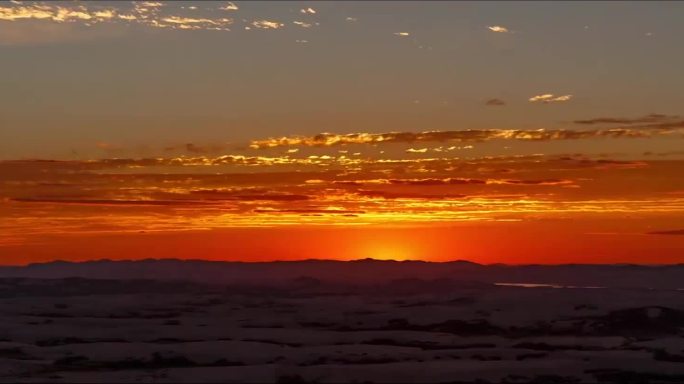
x: 672, y: 232
x: 495, y: 102
x: 652, y: 118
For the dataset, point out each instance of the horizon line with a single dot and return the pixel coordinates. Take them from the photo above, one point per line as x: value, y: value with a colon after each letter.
x: 368, y: 259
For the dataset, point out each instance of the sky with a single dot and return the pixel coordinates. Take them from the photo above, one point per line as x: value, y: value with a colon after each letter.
x: 498, y: 132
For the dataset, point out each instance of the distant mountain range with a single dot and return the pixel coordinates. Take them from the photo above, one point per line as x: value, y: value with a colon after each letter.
x: 358, y: 272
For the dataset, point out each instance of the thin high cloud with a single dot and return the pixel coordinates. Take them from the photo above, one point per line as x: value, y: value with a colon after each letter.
x: 549, y: 98
x: 447, y: 181
x: 147, y: 13
x: 267, y: 24
x: 498, y: 29
x: 230, y: 6
x: 36, y: 18
x: 304, y: 24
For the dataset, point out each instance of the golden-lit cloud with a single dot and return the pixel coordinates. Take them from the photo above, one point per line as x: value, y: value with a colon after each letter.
x: 417, y: 150
x: 403, y: 34
x: 308, y: 10
x: 303, y: 24
x: 197, y: 23
x: 162, y: 15
x: 54, y: 13
x: 498, y: 29
x: 448, y: 181
x: 112, y: 195
x: 549, y: 98
x: 469, y: 135
x: 230, y: 6
x: 145, y: 13
x: 267, y: 24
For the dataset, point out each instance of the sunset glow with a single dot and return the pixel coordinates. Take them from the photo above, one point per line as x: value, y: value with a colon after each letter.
x: 456, y: 142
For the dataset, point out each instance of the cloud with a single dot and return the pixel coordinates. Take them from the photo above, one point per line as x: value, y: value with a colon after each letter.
x: 617, y: 164
x: 407, y: 195
x: 498, y: 29
x: 402, y: 33
x: 203, y: 192
x: 196, y: 23
x: 672, y: 232
x: 54, y: 13
x: 267, y: 24
x: 311, y: 211
x: 196, y: 149
x: 470, y: 135
x: 549, y: 98
x: 652, y: 118
x: 229, y: 7
x: 144, y: 13
x: 449, y: 181
x: 494, y: 102
x: 531, y: 182
x: 303, y: 24
x: 108, y: 202
x: 414, y: 150
x: 222, y: 194
x: 351, y: 19
x: 307, y: 10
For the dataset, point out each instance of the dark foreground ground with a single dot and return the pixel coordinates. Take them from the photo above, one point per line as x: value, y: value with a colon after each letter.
x: 411, y: 330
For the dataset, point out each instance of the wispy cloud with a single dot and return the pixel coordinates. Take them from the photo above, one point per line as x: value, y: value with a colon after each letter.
x: 303, y: 24
x: 267, y: 24
x: 549, y: 98
x: 417, y: 150
x: 498, y: 29
x: 470, y: 135
x: 229, y: 7
x: 402, y: 34
x: 145, y: 13
x: 197, y: 23
x: 54, y: 13
x: 452, y: 181
x: 494, y: 102
x: 307, y: 10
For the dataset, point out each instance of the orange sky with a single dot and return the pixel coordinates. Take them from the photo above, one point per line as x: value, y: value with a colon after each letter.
x: 500, y: 132
x: 511, y: 209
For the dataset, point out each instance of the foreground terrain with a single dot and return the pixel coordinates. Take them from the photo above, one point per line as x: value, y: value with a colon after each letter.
x: 306, y: 330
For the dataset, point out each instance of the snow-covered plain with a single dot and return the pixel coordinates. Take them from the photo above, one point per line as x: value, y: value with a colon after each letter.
x: 95, y: 330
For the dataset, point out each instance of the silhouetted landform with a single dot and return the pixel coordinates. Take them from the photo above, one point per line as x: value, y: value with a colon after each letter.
x: 361, y: 272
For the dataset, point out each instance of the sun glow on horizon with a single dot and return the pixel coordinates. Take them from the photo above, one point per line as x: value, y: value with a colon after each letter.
x: 389, y: 250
